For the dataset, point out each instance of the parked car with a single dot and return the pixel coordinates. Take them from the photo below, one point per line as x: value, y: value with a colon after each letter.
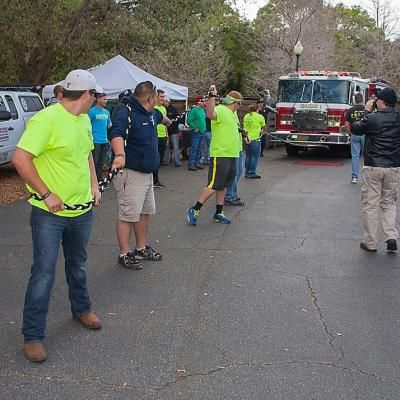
x: 16, y: 108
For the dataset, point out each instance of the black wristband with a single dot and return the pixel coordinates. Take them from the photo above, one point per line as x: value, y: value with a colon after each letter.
x: 212, y: 95
x: 46, y: 195
x: 41, y: 198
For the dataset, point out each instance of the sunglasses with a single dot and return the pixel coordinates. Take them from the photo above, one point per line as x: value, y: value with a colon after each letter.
x: 92, y: 92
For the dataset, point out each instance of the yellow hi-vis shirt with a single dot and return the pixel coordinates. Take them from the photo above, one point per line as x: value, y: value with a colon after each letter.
x: 61, y: 143
x: 161, y: 129
x: 225, y: 140
x: 253, y: 123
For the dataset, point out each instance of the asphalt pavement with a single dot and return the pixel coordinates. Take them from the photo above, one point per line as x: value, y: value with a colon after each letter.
x: 280, y: 304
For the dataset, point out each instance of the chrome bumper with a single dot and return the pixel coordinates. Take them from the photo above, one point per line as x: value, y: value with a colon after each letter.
x: 309, y: 140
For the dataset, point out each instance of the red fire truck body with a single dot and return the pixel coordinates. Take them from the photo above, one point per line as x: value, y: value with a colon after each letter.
x: 311, y: 106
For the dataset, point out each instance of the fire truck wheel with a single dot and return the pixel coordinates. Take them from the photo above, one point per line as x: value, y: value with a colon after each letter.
x: 347, y: 151
x: 343, y: 150
x: 291, y: 150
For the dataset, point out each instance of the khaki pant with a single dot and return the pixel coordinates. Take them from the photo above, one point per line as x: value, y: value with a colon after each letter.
x: 379, y: 192
x: 135, y: 194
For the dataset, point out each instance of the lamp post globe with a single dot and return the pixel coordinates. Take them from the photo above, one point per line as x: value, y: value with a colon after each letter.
x: 297, y: 50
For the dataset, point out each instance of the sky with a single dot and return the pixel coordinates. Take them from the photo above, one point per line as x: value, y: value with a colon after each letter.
x: 249, y: 8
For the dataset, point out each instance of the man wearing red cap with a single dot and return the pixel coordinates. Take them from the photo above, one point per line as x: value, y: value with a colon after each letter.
x: 197, y: 123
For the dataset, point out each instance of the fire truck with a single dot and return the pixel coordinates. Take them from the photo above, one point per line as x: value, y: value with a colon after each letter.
x: 311, y: 106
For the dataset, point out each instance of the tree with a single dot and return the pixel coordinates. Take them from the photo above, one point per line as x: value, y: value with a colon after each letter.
x: 79, y: 33
x: 212, y: 45
x: 279, y: 25
x: 354, y: 32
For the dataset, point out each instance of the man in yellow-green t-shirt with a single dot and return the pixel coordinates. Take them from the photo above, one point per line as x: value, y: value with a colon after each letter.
x: 162, y: 133
x: 54, y: 158
x: 224, y: 151
x: 254, y: 124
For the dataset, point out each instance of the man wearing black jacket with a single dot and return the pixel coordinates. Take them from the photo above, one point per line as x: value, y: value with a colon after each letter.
x: 135, y: 145
x: 173, y: 133
x: 381, y: 168
x: 121, y: 103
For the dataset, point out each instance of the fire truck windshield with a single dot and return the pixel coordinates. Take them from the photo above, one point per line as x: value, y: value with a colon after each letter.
x: 320, y: 91
x: 295, y: 91
x: 334, y: 91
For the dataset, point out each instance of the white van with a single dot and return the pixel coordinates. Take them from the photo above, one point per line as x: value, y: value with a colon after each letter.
x: 15, y: 110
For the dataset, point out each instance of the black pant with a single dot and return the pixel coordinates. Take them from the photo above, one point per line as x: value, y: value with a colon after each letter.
x: 263, y: 143
x: 99, y: 154
x: 162, y: 145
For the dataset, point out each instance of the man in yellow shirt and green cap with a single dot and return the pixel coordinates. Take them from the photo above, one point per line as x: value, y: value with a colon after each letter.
x: 224, y: 151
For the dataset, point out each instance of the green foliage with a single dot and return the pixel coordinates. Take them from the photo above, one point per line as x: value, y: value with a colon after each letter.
x: 355, y: 32
x: 47, y: 38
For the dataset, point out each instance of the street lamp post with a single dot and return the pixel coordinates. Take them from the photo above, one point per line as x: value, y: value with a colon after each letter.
x: 297, y: 50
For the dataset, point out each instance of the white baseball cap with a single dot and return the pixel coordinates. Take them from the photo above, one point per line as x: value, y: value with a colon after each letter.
x: 80, y: 79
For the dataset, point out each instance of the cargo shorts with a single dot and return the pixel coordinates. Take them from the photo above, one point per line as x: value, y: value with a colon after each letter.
x: 135, y: 194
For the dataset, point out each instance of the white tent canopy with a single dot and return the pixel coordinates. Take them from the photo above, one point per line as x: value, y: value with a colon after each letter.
x: 118, y: 74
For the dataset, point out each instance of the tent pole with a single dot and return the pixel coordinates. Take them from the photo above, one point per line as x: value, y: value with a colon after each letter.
x: 186, y: 107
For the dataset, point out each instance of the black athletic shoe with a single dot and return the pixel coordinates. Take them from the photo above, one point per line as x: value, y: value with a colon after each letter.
x: 391, y: 245
x: 158, y: 185
x: 129, y: 261
x: 148, y: 253
x: 199, y: 167
x: 364, y: 247
x: 192, y: 169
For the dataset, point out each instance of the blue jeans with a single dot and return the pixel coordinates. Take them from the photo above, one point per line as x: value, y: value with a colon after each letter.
x: 253, y: 150
x: 174, y: 140
x: 357, y: 146
x: 48, y: 231
x: 205, y: 146
x: 195, y: 148
x: 232, y: 191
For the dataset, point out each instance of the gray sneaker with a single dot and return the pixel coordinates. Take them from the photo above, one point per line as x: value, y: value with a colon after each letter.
x: 129, y: 261
x: 354, y: 179
x: 148, y: 253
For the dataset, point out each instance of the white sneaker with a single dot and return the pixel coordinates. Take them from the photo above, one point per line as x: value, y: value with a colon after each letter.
x: 354, y: 180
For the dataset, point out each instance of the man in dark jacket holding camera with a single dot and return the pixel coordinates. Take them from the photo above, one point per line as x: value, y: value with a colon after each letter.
x: 381, y: 168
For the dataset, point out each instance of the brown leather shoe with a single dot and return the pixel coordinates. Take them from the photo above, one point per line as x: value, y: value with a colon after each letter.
x: 89, y: 320
x: 34, y: 352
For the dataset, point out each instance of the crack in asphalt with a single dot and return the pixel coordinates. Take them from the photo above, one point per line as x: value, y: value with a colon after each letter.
x: 327, y: 277
x: 301, y: 243
x: 322, y: 319
x: 330, y: 335
x: 181, y: 378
